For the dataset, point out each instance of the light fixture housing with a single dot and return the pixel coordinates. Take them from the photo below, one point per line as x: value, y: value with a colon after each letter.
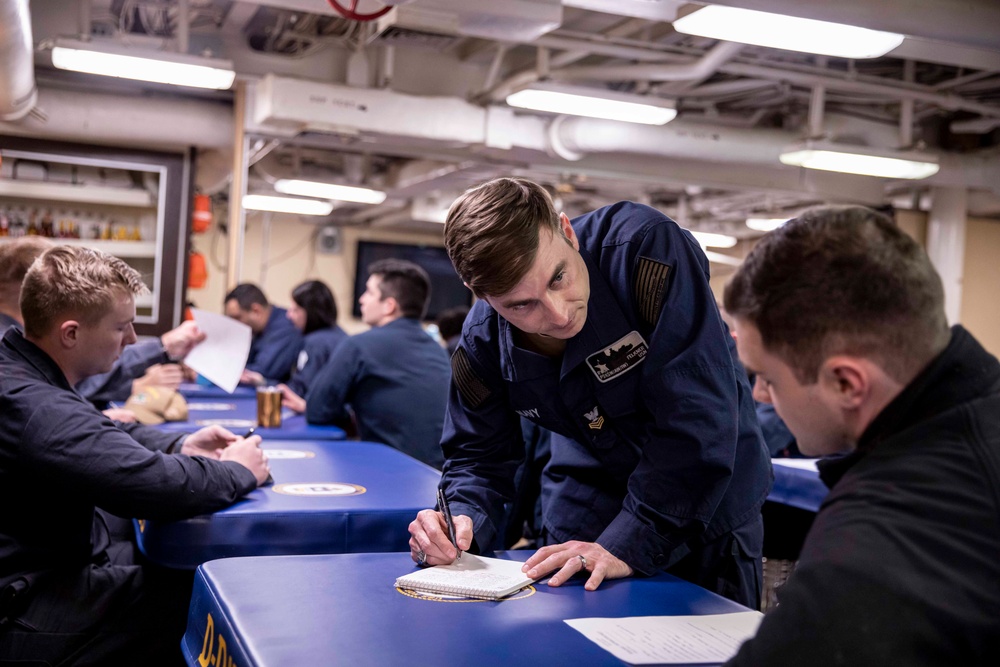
x: 594, y: 103
x: 287, y: 205
x: 713, y: 240
x: 861, y: 160
x: 175, y: 69
x: 319, y: 190
x: 766, y: 224
x: 779, y: 31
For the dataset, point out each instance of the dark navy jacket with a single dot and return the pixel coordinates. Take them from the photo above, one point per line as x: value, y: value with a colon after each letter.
x: 395, y: 378
x: 901, y: 564
x: 60, y: 458
x: 662, y: 448
x: 274, y: 350
x: 317, y: 348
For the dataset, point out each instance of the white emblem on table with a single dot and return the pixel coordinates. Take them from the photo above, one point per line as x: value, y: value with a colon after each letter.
x: 288, y: 453
x: 319, y: 489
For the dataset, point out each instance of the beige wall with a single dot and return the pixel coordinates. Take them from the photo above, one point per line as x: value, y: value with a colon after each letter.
x: 981, y: 282
x: 913, y: 223
x: 292, y: 254
x: 291, y: 258
x: 980, y: 310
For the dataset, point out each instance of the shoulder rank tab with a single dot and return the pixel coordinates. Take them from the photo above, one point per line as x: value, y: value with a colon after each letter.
x: 650, y: 288
x: 473, y: 390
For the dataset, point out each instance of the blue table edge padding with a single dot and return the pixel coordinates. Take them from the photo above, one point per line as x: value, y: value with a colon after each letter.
x: 266, y: 523
x: 233, y: 596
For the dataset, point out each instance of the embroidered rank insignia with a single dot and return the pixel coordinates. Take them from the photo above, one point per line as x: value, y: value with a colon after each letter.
x: 650, y: 288
x: 473, y: 390
x: 618, y: 358
x: 594, y: 419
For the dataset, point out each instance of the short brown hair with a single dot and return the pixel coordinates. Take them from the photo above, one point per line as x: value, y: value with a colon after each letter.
x: 406, y: 282
x: 74, y: 281
x: 842, y: 280
x: 16, y: 257
x: 492, y: 231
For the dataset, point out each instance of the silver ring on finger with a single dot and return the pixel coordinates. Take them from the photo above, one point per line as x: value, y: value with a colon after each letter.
x: 583, y: 561
x: 421, y: 558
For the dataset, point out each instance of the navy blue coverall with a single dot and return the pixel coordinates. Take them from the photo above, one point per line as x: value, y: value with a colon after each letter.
x: 656, y: 453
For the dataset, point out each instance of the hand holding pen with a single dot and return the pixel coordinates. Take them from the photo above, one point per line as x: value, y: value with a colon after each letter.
x: 435, y: 534
x: 270, y: 478
x: 446, y: 511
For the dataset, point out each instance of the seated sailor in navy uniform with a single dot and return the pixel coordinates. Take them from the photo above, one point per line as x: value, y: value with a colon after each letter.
x: 275, y: 343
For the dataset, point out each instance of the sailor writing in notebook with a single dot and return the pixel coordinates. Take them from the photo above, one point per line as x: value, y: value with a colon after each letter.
x: 603, y: 330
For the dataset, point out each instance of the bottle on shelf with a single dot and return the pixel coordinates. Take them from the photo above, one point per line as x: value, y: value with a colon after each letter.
x: 4, y: 224
x: 17, y: 229
x: 46, y: 226
x: 32, y: 225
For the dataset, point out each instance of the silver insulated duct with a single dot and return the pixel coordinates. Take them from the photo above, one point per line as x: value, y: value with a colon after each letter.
x: 17, y: 67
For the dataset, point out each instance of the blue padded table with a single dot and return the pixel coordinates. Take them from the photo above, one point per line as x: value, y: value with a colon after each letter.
x: 193, y: 390
x: 240, y: 413
x: 328, y: 497
x: 344, y: 610
x: 797, y: 483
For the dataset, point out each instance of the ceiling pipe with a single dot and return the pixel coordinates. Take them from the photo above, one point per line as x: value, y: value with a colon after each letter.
x: 854, y: 83
x: 149, y: 122
x: 698, y: 70
x: 572, y: 138
x: 18, y: 94
x: 906, y: 109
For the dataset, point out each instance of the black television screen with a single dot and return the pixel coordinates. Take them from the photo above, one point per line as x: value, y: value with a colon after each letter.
x: 447, y: 289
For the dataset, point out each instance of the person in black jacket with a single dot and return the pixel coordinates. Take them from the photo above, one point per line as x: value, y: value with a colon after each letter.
x: 841, y: 316
x: 73, y: 589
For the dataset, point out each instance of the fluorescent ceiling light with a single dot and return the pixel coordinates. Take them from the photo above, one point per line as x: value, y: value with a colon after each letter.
x: 594, y: 103
x: 787, y: 32
x: 710, y: 240
x: 170, y: 68
x: 287, y: 205
x: 860, y: 160
x: 766, y: 224
x: 329, y: 191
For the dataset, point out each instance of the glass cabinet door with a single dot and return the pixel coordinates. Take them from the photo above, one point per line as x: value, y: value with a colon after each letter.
x: 127, y: 204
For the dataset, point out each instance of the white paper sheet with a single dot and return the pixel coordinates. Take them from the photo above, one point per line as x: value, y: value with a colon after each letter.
x: 657, y: 640
x: 222, y: 356
x: 802, y: 464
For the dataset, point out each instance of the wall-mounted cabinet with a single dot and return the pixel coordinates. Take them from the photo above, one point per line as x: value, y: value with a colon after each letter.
x: 131, y: 204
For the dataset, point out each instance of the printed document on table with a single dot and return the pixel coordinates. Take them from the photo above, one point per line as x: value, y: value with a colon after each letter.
x: 222, y: 356
x: 678, y: 640
x: 801, y: 464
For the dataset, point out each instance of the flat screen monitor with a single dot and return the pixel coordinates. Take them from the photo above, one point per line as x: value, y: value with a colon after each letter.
x: 447, y: 289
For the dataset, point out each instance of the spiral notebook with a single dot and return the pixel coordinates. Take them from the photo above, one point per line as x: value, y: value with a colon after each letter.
x: 469, y: 576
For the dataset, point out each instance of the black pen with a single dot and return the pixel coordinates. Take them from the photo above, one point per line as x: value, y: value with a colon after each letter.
x: 443, y: 506
x: 270, y: 478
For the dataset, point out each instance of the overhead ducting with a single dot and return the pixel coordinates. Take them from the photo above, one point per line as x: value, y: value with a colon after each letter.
x: 148, y: 122
x: 17, y: 68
